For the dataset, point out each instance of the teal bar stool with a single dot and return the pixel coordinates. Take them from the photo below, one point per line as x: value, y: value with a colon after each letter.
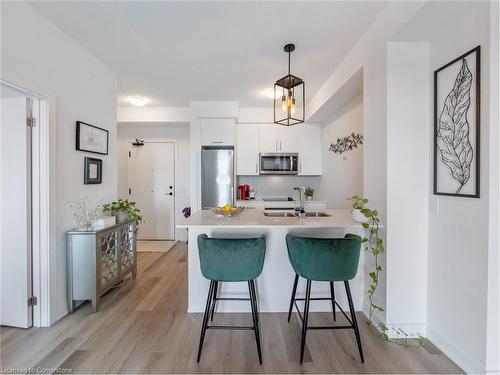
x: 231, y: 260
x: 330, y: 260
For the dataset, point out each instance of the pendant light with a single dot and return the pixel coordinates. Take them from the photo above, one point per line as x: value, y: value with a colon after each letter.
x: 289, y: 97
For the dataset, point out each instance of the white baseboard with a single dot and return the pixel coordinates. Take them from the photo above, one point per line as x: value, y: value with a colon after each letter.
x: 456, y: 354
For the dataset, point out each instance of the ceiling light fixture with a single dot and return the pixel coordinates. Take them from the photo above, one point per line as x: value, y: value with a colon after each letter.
x: 289, y: 97
x: 138, y: 101
x: 269, y: 92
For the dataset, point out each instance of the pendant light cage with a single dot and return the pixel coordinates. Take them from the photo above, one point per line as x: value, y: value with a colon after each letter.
x: 289, y: 97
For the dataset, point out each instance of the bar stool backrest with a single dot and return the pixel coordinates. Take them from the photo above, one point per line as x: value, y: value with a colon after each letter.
x: 231, y: 259
x: 324, y: 259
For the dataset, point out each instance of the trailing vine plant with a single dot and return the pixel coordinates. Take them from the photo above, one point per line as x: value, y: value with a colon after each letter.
x: 374, y: 244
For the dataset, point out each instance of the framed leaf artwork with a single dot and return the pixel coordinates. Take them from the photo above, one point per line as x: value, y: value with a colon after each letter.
x: 457, y: 126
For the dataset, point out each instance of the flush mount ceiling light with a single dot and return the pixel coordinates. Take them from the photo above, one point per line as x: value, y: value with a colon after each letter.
x: 138, y: 101
x: 269, y: 92
x: 289, y: 96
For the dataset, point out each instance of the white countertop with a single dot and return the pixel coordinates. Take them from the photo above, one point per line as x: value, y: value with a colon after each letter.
x: 254, y: 218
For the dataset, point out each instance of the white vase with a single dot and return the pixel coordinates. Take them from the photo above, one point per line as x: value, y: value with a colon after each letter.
x: 120, y: 215
x: 358, y: 217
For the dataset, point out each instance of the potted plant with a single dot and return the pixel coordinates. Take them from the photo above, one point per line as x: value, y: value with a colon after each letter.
x: 123, y: 210
x: 309, y: 192
x: 358, y: 204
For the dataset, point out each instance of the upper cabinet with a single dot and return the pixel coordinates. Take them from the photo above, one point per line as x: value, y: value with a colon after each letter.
x: 309, y: 145
x: 253, y: 139
x: 247, y: 150
x: 217, y: 131
x: 278, y: 138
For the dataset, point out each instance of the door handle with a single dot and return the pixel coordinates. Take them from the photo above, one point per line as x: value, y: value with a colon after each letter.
x: 256, y: 167
x: 280, y: 145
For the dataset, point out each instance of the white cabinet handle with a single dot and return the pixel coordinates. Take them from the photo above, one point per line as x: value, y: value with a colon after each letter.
x: 280, y: 145
x: 218, y: 142
x: 256, y: 168
x: 276, y: 146
x: 300, y: 167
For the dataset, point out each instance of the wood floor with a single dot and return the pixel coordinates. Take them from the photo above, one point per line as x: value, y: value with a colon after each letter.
x: 143, y: 327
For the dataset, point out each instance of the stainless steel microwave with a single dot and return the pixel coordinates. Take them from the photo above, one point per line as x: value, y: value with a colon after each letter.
x: 279, y: 163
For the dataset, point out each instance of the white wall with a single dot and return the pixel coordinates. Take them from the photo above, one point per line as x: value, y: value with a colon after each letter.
x: 153, y: 114
x: 36, y: 53
x: 342, y: 173
x: 408, y: 143
x: 458, y: 230
x: 157, y: 131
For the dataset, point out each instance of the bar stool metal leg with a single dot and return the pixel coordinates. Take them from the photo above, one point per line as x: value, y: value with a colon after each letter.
x: 354, y: 321
x: 304, y: 323
x: 332, y: 293
x: 205, y: 318
x: 292, y: 299
x: 214, y: 301
x: 253, y: 303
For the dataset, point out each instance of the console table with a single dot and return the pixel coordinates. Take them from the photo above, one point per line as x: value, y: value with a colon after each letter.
x: 98, y: 259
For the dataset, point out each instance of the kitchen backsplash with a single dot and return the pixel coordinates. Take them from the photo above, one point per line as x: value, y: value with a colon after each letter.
x: 278, y: 186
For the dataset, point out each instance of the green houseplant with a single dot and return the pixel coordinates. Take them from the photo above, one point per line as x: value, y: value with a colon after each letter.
x: 374, y: 244
x: 309, y: 192
x: 123, y: 209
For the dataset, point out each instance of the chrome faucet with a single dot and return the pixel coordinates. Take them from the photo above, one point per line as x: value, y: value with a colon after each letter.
x: 302, y: 211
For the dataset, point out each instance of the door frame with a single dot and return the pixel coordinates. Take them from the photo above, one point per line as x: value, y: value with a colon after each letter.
x: 176, y: 167
x: 43, y: 194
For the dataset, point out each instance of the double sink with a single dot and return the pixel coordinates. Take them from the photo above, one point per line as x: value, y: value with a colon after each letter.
x: 293, y: 214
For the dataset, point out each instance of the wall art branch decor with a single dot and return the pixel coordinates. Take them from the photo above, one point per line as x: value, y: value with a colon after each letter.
x: 457, y: 126
x: 347, y: 143
x: 90, y: 138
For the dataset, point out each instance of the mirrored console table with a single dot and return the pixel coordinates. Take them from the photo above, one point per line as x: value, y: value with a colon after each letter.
x: 98, y: 259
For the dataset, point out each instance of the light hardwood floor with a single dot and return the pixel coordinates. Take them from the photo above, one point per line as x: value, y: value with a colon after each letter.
x: 143, y: 327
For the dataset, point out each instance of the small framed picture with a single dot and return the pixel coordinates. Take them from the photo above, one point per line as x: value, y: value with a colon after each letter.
x: 92, y: 171
x: 90, y: 138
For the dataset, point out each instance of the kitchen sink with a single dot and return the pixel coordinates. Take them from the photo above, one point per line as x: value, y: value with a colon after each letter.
x: 317, y: 214
x: 292, y: 214
x: 280, y: 214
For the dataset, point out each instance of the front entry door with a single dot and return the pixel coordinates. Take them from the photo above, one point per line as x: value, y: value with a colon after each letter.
x: 151, y: 182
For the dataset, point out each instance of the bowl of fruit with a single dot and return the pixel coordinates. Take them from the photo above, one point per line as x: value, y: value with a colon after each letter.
x: 227, y: 210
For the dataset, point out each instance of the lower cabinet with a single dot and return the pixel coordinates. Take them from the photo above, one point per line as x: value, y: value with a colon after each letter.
x: 98, y: 260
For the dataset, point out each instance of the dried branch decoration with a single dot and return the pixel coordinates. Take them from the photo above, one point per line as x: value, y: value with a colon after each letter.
x: 346, y: 143
x: 453, y: 130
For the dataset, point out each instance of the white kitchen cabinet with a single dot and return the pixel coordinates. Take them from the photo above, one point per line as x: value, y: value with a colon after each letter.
x: 247, y: 150
x: 217, y: 131
x: 287, y: 138
x: 268, y: 138
x: 309, y: 147
x: 278, y: 138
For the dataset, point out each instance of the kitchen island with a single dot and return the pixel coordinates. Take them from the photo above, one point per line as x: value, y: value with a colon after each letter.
x: 274, y: 285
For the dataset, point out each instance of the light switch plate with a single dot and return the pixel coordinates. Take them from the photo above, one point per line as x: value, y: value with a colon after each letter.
x: 434, y: 205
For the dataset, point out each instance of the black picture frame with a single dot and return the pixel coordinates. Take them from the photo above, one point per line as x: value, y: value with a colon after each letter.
x: 101, y: 135
x: 92, y: 171
x: 440, y: 128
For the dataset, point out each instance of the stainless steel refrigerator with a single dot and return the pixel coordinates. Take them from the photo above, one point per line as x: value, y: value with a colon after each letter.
x: 217, y: 176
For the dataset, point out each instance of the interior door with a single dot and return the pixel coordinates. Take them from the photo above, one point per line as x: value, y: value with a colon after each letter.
x: 151, y: 181
x: 16, y: 249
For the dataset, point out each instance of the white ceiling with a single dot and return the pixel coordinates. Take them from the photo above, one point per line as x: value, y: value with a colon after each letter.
x: 177, y: 52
